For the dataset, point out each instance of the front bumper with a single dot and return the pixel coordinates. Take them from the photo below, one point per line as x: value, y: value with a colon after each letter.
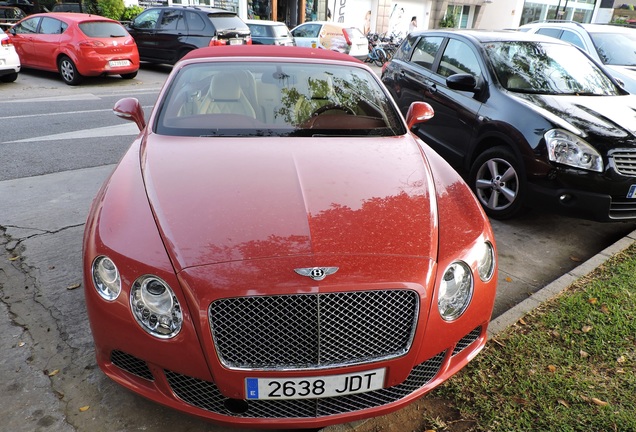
x: 203, y: 399
x: 600, y: 197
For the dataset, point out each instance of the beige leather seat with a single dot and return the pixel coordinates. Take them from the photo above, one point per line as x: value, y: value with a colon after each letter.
x: 225, y: 96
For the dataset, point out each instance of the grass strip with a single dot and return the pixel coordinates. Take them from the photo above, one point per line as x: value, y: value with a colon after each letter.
x: 570, y: 365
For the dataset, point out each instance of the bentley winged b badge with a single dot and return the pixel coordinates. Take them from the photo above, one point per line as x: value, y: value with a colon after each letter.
x: 316, y: 273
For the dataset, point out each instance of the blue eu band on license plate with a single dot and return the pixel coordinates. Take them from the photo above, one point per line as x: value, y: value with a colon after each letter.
x: 632, y: 192
x: 314, y: 387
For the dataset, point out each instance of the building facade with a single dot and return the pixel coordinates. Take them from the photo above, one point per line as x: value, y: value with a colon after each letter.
x: 393, y: 16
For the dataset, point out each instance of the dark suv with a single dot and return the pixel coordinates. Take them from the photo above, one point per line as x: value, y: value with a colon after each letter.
x: 166, y: 34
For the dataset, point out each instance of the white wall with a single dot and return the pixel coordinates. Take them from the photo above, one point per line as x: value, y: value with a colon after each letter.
x: 501, y: 14
x: 353, y: 12
x: 404, y: 10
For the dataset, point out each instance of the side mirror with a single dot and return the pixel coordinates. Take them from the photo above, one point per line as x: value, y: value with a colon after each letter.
x: 418, y: 112
x: 619, y: 81
x: 462, y: 82
x: 130, y: 109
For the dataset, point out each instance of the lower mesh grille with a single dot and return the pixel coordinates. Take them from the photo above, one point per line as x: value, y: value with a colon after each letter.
x: 310, y: 331
x: 467, y: 340
x: 131, y: 364
x: 206, y: 395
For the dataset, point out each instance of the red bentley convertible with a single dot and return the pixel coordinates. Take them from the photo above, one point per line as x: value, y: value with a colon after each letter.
x: 276, y: 249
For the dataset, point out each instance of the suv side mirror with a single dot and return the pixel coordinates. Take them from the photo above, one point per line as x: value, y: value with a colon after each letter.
x: 462, y: 82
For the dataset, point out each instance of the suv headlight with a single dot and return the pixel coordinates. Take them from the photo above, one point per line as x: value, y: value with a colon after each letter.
x: 568, y: 149
x: 155, y: 307
x: 456, y: 291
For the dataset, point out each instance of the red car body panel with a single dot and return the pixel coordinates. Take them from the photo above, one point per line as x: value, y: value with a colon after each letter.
x: 312, y: 195
x: 225, y: 218
x: 90, y: 55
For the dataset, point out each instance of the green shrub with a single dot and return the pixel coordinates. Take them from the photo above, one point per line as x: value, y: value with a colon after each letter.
x: 448, y: 22
x: 112, y: 9
x: 131, y: 12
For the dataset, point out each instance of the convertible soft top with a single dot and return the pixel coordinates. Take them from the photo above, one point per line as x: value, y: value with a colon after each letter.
x: 269, y: 51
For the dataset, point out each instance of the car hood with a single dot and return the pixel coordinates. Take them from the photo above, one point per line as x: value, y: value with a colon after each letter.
x: 229, y: 199
x: 597, y: 118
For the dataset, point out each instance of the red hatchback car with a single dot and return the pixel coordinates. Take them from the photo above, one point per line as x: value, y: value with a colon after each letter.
x: 75, y: 45
x: 277, y: 249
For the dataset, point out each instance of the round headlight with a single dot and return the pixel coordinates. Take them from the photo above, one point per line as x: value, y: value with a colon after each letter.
x: 456, y: 291
x: 106, y: 278
x: 486, y: 261
x: 155, y: 307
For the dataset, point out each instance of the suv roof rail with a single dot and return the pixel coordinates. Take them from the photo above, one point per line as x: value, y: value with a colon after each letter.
x: 557, y: 21
x: 195, y: 7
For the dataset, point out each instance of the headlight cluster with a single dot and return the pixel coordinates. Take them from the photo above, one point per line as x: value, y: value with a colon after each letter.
x: 568, y: 149
x: 457, y: 286
x: 155, y: 307
x: 152, y: 301
x: 106, y: 278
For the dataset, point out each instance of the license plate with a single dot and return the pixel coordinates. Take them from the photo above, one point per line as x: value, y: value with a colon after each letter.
x: 118, y: 63
x: 314, y: 387
x: 632, y: 192
x: 236, y: 41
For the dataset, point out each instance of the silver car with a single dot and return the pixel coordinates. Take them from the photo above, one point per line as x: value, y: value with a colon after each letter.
x: 610, y: 45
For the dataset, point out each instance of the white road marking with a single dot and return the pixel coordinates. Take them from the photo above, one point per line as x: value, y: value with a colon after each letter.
x: 117, y: 130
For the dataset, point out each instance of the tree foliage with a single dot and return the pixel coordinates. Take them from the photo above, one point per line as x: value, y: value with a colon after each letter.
x: 131, y: 12
x: 113, y: 9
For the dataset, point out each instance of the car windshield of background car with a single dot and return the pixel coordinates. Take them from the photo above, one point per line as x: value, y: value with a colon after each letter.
x: 28, y: 26
x: 616, y: 48
x: 220, y: 99
x: 103, y: 29
x: 147, y: 19
x: 227, y: 21
x: 547, y: 68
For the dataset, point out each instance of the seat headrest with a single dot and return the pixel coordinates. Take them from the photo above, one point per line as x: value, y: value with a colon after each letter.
x: 225, y: 87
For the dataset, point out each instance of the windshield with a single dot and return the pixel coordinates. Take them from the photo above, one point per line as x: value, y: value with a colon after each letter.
x: 243, y: 99
x: 547, y: 68
x: 616, y: 48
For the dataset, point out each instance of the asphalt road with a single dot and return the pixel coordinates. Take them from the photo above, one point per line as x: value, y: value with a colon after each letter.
x: 57, y: 145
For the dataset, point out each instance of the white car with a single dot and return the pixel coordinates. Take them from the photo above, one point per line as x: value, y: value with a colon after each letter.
x: 613, y: 46
x: 9, y: 60
x: 332, y: 36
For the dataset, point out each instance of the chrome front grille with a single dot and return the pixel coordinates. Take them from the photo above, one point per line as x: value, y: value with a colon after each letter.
x: 625, y: 161
x: 206, y: 395
x: 310, y: 331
